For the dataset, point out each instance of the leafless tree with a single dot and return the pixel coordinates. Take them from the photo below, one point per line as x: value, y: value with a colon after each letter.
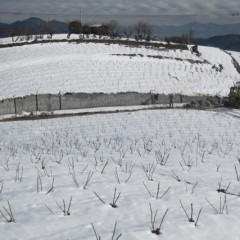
x: 143, y: 29
x: 86, y: 29
x: 188, y: 37
x: 113, y: 28
x: 10, y: 31
x: 128, y: 30
x: 74, y: 26
x: 50, y: 28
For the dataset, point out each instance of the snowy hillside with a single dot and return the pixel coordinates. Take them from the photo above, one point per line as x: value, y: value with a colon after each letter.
x: 149, y: 157
x: 95, y: 67
x: 236, y: 55
x: 115, y: 176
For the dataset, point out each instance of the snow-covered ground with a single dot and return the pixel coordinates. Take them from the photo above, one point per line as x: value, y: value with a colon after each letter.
x: 236, y: 55
x: 78, y: 162
x: 190, y: 154
x: 88, y: 111
x: 62, y: 36
x: 95, y: 67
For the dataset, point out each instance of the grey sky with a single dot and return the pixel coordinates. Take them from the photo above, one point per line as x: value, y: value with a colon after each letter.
x: 127, y: 11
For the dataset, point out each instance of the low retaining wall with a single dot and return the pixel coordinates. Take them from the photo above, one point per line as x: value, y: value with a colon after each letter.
x: 84, y: 100
x: 51, y: 102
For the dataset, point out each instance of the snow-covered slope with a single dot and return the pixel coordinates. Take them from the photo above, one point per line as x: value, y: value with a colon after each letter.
x: 95, y: 67
x: 199, y: 152
x: 236, y: 55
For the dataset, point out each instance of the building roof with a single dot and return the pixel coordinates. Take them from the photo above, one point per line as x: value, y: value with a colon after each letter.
x: 96, y: 25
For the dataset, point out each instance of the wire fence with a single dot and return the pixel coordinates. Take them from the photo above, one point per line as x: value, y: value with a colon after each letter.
x: 68, y: 101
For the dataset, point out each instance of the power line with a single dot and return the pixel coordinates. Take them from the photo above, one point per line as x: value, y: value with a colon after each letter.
x: 125, y: 15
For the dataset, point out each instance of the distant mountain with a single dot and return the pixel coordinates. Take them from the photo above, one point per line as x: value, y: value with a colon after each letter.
x: 226, y: 42
x: 34, y: 25
x: 3, y: 27
x: 31, y: 23
x: 200, y: 30
x: 222, y: 36
x: 60, y: 27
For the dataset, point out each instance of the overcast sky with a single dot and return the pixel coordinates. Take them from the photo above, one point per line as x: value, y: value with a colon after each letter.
x: 127, y: 11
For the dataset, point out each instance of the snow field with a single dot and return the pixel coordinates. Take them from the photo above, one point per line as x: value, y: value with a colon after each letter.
x: 236, y: 55
x: 121, y: 151
x: 95, y: 67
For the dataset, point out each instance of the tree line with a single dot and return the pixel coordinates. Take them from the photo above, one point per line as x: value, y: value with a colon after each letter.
x: 141, y: 30
x: 113, y: 29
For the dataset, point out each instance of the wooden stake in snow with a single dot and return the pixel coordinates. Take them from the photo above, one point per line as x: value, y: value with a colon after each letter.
x: 52, y: 187
x: 64, y: 209
x: 8, y: 216
x: 190, y: 219
x: 113, y: 234
x: 157, y: 230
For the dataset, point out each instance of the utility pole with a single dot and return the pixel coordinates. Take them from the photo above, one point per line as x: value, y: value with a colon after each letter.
x: 80, y: 16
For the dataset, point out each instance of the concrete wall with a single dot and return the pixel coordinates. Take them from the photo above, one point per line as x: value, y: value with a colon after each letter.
x: 84, y: 100
x: 26, y: 104
x: 50, y: 102
x: 7, y: 106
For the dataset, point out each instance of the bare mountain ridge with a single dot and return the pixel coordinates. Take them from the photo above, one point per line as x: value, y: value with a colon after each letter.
x: 229, y: 42
x: 200, y: 30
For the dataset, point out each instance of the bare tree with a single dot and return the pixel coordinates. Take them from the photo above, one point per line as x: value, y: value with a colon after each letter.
x: 128, y: 30
x: 191, y: 35
x: 86, y: 29
x: 74, y: 27
x: 10, y: 31
x: 188, y: 37
x: 143, y: 30
x: 113, y: 28
x: 20, y: 33
x: 50, y: 28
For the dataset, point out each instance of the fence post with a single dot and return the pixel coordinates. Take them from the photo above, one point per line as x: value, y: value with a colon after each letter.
x: 152, y: 97
x: 36, y: 102
x: 60, y: 101
x: 15, y: 106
